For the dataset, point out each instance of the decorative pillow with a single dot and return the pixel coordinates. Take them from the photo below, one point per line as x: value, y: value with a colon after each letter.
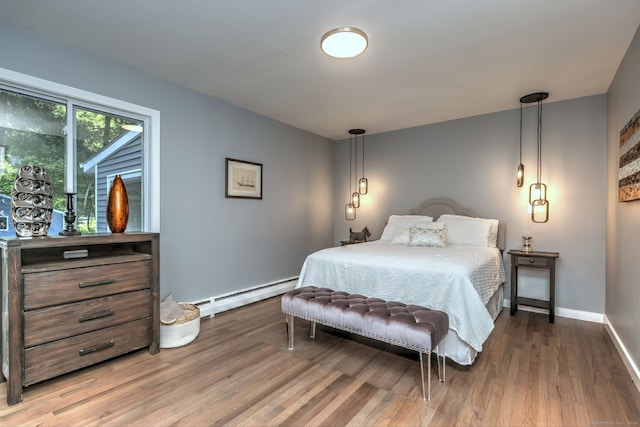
x: 401, y: 221
x: 492, y: 236
x: 466, y: 230
x: 436, y: 238
x: 401, y: 236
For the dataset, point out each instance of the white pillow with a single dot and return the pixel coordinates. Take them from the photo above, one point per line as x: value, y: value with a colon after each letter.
x: 492, y: 238
x: 401, y: 221
x: 430, y: 237
x: 466, y: 230
x: 434, y: 225
x: 400, y: 236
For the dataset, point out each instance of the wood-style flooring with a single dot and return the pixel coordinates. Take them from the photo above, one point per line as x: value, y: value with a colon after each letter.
x: 239, y: 372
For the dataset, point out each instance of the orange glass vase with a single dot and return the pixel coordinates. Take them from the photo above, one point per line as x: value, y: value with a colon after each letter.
x: 117, y: 206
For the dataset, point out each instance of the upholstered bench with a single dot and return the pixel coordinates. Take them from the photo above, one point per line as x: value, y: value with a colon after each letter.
x: 408, y: 326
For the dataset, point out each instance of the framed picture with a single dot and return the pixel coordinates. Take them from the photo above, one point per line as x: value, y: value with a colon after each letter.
x: 629, y: 163
x: 243, y: 179
x: 4, y: 223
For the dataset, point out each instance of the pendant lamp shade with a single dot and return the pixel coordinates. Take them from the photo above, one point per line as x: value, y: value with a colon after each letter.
x: 349, y: 212
x: 520, y: 175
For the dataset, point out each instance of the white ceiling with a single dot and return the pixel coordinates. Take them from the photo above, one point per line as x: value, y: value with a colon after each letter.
x: 427, y: 61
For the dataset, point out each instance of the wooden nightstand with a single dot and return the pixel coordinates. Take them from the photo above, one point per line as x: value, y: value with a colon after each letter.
x: 544, y: 260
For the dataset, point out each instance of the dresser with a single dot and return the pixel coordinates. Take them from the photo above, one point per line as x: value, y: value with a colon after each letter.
x: 70, y: 302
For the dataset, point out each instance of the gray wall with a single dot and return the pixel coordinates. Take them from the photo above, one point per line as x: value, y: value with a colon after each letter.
x: 623, y: 219
x: 474, y: 160
x: 209, y: 245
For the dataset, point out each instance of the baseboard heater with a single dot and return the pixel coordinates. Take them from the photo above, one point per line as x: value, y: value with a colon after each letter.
x: 209, y: 307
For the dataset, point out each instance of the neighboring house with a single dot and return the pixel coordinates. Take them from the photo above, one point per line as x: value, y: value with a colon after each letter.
x: 122, y: 157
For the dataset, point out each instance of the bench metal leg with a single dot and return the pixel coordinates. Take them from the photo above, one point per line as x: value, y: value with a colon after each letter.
x: 441, y: 376
x: 426, y: 396
x: 312, y: 331
x: 289, y: 318
x: 441, y: 371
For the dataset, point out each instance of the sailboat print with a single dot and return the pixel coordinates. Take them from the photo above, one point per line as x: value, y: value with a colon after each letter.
x: 246, y: 182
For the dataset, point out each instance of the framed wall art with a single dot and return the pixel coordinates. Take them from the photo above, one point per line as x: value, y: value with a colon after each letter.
x: 243, y: 179
x: 629, y: 164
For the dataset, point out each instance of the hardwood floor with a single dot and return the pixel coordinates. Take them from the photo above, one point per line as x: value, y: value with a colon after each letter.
x: 239, y: 372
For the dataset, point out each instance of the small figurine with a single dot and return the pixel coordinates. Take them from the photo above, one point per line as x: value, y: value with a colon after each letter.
x: 359, y: 236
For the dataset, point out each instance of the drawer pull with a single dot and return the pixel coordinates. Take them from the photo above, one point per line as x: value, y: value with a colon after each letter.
x: 96, y: 283
x: 96, y: 315
x: 95, y: 348
x: 531, y: 260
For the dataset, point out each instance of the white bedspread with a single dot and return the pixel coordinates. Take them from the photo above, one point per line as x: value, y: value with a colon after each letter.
x: 458, y: 280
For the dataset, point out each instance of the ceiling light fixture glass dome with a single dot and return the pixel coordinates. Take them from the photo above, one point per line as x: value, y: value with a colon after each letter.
x: 344, y: 42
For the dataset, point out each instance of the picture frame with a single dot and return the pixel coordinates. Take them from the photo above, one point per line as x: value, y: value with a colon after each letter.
x: 629, y: 162
x: 243, y: 179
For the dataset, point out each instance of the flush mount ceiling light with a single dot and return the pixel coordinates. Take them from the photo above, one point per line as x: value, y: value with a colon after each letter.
x: 344, y: 42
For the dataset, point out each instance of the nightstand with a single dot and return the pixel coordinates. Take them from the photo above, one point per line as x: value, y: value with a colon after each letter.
x: 542, y: 260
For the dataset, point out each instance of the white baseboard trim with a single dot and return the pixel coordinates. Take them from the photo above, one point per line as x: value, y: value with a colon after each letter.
x: 624, y: 354
x: 569, y: 313
x: 217, y: 304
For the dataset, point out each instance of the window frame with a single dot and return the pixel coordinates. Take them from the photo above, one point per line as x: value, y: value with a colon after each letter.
x: 86, y: 99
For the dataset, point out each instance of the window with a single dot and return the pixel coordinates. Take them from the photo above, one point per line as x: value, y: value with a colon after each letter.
x: 83, y: 142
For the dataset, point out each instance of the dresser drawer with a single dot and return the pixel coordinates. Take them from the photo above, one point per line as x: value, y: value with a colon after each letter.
x: 55, y: 287
x: 533, y: 261
x: 56, y: 358
x: 62, y: 321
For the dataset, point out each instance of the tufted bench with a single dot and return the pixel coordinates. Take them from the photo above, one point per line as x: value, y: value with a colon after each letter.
x: 408, y: 326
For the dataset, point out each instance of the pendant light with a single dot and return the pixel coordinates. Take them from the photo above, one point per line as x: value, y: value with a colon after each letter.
x: 363, y: 183
x: 355, y: 196
x: 538, y: 190
x: 349, y: 208
x: 520, y: 172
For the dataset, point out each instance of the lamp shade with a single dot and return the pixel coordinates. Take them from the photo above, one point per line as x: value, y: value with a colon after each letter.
x: 363, y: 185
x: 349, y: 212
x: 540, y: 210
x: 520, y: 175
x: 355, y: 199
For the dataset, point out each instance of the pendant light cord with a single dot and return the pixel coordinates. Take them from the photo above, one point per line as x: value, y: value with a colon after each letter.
x: 363, y: 155
x: 355, y: 175
x: 520, y: 132
x: 350, y: 166
x: 539, y: 141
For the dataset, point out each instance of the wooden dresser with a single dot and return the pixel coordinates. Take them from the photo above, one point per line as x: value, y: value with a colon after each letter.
x: 70, y: 302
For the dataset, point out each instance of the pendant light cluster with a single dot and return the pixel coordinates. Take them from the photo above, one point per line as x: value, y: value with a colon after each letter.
x: 538, y: 190
x: 362, y: 184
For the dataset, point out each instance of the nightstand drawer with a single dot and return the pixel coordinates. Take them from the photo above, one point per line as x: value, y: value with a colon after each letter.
x: 54, y: 323
x: 59, y: 357
x: 76, y: 284
x: 533, y: 261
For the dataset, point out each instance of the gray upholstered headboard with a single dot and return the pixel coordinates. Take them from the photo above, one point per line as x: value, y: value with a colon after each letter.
x: 439, y: 206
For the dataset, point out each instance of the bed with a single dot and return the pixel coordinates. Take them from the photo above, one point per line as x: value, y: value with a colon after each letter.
x: 440, y: 255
